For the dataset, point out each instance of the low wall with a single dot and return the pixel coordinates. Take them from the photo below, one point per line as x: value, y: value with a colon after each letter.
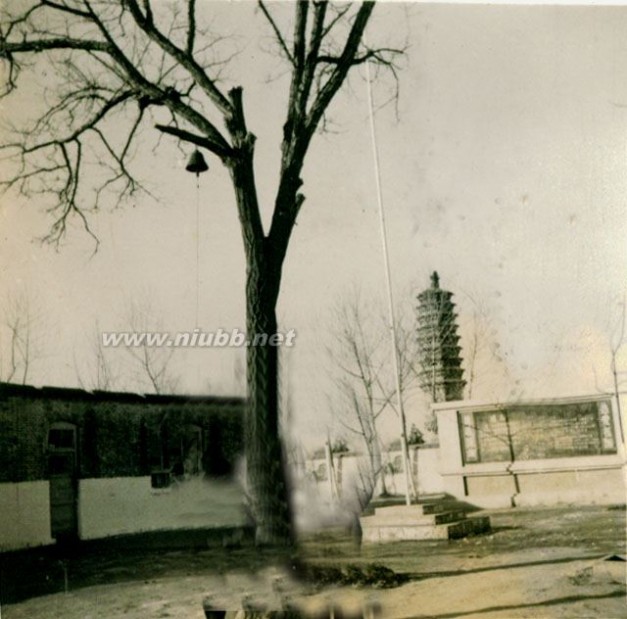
x: 126, y: 505
x: 571, y: 485
x: 425, y: 467
x: 24, y: 515
x: 605, y: 486
x: 424, y: 463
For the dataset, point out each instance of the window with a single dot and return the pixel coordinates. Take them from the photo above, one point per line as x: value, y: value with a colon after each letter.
x: 180, y: 451
x: 160, y: 479
x: 540, y: 431
x: 61, y: 438
x: 468, y: 433
x: 61, y: 447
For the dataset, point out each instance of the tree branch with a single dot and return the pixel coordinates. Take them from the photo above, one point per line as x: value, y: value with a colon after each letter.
x: 184, y: 58
x: 301, y: 124
x: 243, y: 174
x: 65, y: 9
x: 277, y: 32
x: 300, y: 30
x: 317, y: 35
x: 340, y: 13
x: 40, y: 45
x: 330, y: 88
x: 221, y: 150
x: 371, y: 54
x: 191, y: 26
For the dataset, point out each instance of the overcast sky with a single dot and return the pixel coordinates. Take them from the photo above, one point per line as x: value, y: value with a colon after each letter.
x: 504, y: 168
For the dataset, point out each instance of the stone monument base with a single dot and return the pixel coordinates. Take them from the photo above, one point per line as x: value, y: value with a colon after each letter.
x: 420, y: 522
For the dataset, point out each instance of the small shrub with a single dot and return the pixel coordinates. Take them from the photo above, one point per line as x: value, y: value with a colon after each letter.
x: 370, y: 575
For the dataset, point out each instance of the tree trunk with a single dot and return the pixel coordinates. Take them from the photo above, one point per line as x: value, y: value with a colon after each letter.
x: 266, y: 474
x: 265, y: 469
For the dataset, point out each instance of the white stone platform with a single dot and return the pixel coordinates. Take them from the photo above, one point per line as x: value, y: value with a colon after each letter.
x: 420, y: 522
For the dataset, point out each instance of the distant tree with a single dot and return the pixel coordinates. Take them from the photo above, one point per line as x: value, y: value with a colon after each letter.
x: 365, y: 385
x: 616, y: 340
x: 21, y: 340
x: 616, y: 343
x: 485, y: 367
x: 339, y: 446
x: 152, y: 364
x: 98, y: 370
x: 415, y: 436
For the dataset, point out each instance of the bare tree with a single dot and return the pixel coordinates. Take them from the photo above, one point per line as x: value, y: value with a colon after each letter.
x: 98, y: 370
x: 476, y: 344
x: 153, y: 364
x: 364, y: 380
x: 145, y: 365
x: 116, y: 62
x: 21, y: 345
x: 483, y: 358
x: 499, y: 427
x: 616, y: 341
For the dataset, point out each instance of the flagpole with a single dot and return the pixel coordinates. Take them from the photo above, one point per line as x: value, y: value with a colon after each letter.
x: 409, y: 482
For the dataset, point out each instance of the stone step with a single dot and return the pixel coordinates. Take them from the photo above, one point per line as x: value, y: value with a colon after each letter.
x: 414, y: 517
x: 416, y: 514
x: 446, y: 517
x: 420, y: 522
x: 411, y: 510
x: 433, y: 508
x: 381, y: 532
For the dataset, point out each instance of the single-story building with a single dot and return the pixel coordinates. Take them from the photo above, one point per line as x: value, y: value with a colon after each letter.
x: 80, y: 464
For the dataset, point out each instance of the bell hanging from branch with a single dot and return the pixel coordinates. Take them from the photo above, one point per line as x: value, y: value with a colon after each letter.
x: 196, y: 163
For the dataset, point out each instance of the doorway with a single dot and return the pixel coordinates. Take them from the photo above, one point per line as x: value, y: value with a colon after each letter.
x: 63, y: 483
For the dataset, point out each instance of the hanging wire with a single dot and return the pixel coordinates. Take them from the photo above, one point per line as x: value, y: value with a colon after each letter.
x: 196, y: 324
x: 196, y: 165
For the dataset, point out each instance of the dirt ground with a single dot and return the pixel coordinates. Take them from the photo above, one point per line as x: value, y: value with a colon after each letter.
x: 540, y: 563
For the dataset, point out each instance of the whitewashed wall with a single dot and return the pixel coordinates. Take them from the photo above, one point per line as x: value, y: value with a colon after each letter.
x: 123, y: 505
x: 425, y: 464
x: 24, y: 515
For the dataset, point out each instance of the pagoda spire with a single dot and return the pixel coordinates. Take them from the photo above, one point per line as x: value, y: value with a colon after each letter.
x: 441, y: 373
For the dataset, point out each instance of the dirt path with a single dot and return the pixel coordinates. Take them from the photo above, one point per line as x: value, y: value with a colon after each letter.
x: 550, y: 590
x: 537, y: 564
